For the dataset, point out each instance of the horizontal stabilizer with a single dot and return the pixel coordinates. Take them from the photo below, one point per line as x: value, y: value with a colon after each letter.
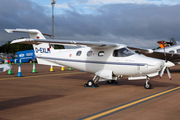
x: 33, y: 33
x: 21, y: 31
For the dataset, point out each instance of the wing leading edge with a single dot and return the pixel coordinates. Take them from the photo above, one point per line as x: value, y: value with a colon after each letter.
x: 69, y: 42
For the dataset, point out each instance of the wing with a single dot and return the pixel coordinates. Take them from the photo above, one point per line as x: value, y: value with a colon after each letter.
x: 141, y: 49
x: 65, y: 42
x: 173, y: 57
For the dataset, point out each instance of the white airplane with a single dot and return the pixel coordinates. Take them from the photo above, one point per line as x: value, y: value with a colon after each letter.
x: 5, y: 67
x: 169, y: 51
x: 109, y: 61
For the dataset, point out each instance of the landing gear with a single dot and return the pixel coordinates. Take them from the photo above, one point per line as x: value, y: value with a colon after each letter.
x: 91, y: 83
x: 147, y: 85
x: 110, y: 81
x: 96, y: 79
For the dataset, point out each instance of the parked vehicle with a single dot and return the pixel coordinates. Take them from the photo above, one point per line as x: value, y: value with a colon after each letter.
x: 1, y: 60
x: 26, y: 56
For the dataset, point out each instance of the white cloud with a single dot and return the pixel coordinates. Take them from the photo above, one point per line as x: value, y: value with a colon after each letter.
x: 65, y: 5
x: 158, y: 2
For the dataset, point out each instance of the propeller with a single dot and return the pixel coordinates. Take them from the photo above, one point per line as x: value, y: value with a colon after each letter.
x: 166, y: 67
x: 167, y: 64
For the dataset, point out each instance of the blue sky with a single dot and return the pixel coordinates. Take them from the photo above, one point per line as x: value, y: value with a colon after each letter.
x: 138, y: 23
x: 90, y: 6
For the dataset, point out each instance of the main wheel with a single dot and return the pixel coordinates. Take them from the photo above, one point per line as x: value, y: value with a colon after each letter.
x: 110, y: 81
x: 90, y: 83
x: 147, y: 86
x: 30, y: 61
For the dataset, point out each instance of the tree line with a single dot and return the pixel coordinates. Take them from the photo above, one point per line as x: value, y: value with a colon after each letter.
x: 13, y: 48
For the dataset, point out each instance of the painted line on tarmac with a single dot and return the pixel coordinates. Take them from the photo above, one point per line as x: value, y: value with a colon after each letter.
x: 37, y: 76
x: 127, y: 105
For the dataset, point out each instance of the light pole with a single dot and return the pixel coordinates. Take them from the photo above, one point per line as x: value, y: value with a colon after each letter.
x: 53, y: 2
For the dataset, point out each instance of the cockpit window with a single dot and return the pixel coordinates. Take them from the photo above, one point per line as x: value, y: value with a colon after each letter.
x: 123, y: 52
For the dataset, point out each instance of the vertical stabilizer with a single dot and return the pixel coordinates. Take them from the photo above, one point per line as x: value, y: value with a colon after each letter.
x: 43, y: 49
x: 173, y: 41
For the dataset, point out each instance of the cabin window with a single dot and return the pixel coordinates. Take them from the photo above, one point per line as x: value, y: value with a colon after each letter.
x: 89, y: 53
x: 78, y: 53
x: 123, y: 52
x: 178, y: 50
x: 101, y: 53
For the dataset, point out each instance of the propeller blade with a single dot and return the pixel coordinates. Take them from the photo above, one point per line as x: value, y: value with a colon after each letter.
x: 169, y: 74
x: 162, y: 72
x: 165, y: 54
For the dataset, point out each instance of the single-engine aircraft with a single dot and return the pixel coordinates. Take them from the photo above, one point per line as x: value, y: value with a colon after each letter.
x: 108, y: 61
x: 5, y: 67
x: 169, y: 51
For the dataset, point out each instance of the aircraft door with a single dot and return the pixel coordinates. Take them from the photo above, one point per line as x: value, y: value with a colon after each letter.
x: 138, y: 69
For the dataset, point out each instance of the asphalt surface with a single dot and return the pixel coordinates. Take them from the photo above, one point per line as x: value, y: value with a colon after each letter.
x: 61, y: 95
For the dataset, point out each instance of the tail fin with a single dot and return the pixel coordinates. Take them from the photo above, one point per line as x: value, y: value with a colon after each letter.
x: 40, y: 49
x: 173, y: 41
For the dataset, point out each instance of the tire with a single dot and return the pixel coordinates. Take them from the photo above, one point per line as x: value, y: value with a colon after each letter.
x: 30, y: 61
x: 148, y: 86
x: 110, y: 81
x: 90, y: 83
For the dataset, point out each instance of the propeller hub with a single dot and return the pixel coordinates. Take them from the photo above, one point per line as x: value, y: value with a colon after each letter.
x: 169, y: 64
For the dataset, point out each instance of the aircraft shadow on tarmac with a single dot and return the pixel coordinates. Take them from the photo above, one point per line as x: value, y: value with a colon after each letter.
x: 80, y: 76
x: 125, y: 81
x: 26, y: 101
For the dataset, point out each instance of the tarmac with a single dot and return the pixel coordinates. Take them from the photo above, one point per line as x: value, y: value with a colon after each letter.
x: 61, y: 95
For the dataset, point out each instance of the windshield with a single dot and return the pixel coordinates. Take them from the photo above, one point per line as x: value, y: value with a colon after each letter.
x: 123, y: 52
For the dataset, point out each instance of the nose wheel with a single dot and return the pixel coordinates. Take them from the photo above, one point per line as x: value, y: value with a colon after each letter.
x: 147, y: 85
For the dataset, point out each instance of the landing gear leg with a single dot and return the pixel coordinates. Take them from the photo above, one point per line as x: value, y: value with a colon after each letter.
x: 91, y: 83
x: 147, y: 85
